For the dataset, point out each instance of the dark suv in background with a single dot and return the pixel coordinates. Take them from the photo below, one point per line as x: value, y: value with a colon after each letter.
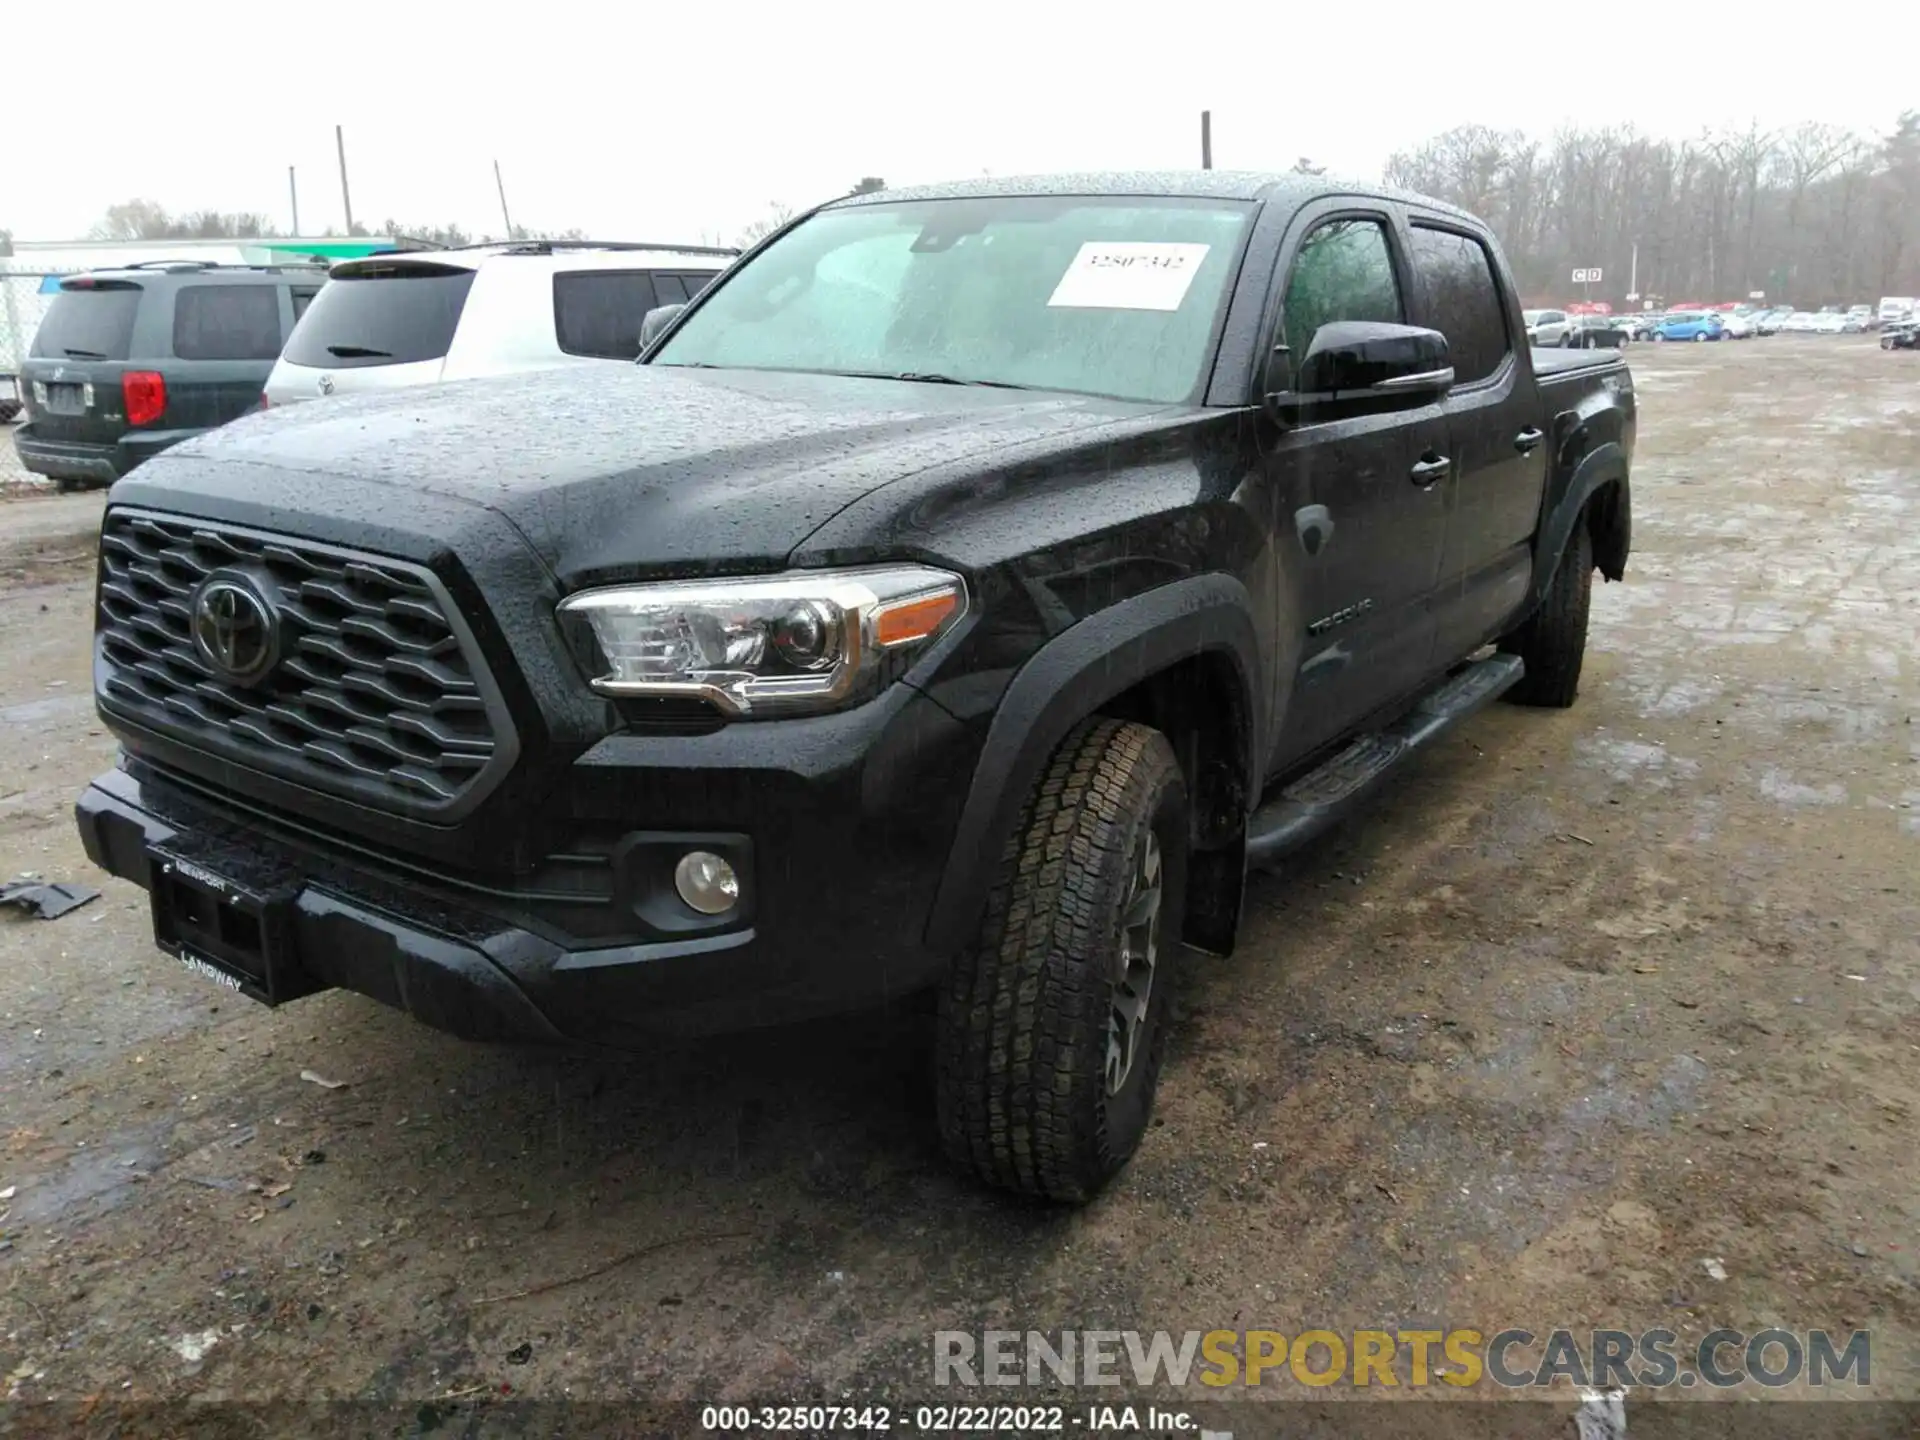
x: 128, y: 362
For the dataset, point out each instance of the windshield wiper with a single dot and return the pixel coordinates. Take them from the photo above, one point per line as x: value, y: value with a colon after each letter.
x: 358, y: 352
x: 925, y: 377
x: 74, y: 354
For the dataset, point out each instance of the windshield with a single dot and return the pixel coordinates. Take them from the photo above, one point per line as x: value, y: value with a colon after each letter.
x: 1119, y: 297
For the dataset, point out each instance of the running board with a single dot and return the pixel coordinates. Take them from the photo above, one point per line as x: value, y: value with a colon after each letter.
x: 1323, y: 797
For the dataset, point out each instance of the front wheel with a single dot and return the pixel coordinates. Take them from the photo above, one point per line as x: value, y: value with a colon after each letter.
x: 1658, y: 336
x: 1053, y: 1024
x: 1701, y: 338
x: 1553, y: 640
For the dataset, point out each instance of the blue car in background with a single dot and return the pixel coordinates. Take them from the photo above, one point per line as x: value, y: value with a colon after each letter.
x: 1690, y: 325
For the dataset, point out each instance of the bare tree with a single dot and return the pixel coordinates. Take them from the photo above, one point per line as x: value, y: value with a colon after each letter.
x: 778, y: 213
x: 149, y: 220
x: 448, y: 236
x: 1815, y: 214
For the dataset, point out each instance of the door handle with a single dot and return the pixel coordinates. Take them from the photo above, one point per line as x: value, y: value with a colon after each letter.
x: 1527, y: 441
x: 1431, y: 470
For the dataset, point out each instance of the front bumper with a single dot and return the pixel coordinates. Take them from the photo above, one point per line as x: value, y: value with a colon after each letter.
x: 830, y: 931
x: 103, y: 463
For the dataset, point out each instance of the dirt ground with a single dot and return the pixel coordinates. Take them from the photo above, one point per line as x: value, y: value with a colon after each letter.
x: 1590, y: 999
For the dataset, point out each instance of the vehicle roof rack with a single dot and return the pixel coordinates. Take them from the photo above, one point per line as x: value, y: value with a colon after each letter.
x: 547, y: 247
x: 213, y: 265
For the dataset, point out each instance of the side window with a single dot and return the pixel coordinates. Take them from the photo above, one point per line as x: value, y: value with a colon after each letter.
x: 1456, y: 279
x: 697, y: 281
x: 669, y: 289
x: 227, y: 322
x: 1344, y: 271
x: 302, y: 297
x: 598, y: 312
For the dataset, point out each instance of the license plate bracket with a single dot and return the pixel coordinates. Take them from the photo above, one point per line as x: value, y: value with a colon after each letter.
x: 229, y: 933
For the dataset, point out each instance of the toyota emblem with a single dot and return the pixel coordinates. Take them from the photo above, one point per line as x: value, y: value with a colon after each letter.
x: 235, y: 630
x: 326, y: 384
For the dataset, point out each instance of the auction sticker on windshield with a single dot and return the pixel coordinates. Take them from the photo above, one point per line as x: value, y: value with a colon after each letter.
x: 1129, y: 275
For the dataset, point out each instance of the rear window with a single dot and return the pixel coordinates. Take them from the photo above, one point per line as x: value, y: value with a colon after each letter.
x: 227, y: 322
x: 597, y: 313
x: 89, y: 324
x: 390, y: 315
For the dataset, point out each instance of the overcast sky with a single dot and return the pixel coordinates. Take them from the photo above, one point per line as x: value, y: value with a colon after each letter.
x: 660, y: 122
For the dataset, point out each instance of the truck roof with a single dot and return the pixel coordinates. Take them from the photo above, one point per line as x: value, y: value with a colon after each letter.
x: 1289, y: 187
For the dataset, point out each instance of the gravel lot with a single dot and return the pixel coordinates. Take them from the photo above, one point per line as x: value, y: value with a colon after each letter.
x: 13, y: 477
x: 1589, y: 999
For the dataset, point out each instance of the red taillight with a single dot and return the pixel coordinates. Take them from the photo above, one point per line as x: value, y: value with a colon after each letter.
x: 145, y: 392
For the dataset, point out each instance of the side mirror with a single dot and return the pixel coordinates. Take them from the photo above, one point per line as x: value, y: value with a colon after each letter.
x: 1360, y: 361
x: 655, y: 321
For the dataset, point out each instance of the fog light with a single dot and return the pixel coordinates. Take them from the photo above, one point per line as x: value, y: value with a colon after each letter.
x: 706, y: 882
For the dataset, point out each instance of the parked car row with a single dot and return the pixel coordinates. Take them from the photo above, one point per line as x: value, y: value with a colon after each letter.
x: 1563, y: 329
x: 132, y: 361
x: 1701, y: 325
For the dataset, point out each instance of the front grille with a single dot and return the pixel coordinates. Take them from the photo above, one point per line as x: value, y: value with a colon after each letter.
x: 375, y: 694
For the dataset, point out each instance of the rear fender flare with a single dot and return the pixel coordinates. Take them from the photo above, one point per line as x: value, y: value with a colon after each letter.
x: 1605, y: 464
x: 1067, y: 679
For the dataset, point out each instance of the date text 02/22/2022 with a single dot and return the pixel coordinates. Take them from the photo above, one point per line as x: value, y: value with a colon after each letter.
x: 952, y: 1420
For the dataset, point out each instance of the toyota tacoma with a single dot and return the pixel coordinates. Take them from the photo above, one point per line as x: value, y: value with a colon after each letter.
x: 956, y: 599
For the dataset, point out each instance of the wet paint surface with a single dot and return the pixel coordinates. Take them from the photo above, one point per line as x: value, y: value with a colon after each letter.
x: 1585, y: 997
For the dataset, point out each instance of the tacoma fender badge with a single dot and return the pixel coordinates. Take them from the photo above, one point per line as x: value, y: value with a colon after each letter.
x: 1340, y: 617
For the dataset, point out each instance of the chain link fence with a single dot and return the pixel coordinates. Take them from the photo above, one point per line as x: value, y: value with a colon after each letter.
x: 25, y: 296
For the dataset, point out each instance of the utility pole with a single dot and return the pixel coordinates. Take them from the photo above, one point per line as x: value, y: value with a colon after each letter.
x: 1206, y: 139
x: 293, y: 194
x: 501, y: 186
x: 1633, y: 275
x: 346, y: 199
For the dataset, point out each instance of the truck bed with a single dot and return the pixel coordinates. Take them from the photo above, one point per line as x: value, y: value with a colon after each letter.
x: 1551, y: 364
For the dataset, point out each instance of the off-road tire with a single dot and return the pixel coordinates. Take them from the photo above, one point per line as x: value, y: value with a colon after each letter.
x: 1022, y: 1080
x: 1553, y: 641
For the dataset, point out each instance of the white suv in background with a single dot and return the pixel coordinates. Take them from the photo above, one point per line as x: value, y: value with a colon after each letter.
x: 415, y: 317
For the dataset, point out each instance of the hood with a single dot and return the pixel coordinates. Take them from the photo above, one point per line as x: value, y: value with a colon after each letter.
x: 625, y: 470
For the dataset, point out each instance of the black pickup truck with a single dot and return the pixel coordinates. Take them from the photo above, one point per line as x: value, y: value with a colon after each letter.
x: 957, y: 599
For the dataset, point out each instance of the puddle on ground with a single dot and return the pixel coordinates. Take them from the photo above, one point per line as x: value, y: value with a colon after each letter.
x: 1637, y: 761
x: 102, y: 1175
x: 1778, y: 785
x: 54, y: 707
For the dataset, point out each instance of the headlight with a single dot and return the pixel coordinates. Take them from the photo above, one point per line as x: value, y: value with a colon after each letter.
x: 809, y: 640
